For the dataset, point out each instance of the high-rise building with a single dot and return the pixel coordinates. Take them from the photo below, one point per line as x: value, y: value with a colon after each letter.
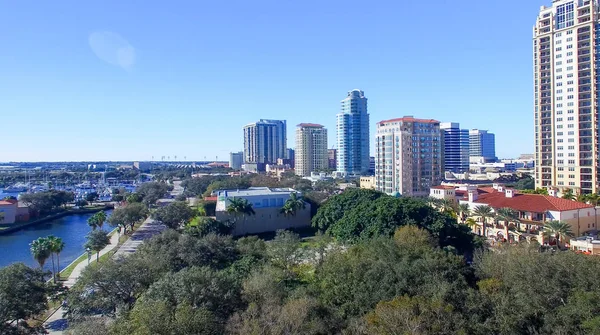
x: 482, y: 144
x: 353, y: 135
x: 265, y: 141
x: 236, y: 160
x: 566, y: 92
x: 332, y: 155
x: 455, y: 147
x: 408, y: 156
x: 311, y: 149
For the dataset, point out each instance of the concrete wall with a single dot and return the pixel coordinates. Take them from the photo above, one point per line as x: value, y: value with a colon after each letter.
x: 266, y: 220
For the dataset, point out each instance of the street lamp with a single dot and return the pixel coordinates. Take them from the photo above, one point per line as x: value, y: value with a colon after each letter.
x: 89, y: 253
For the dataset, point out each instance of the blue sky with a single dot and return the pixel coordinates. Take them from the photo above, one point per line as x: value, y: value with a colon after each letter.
x: 190, y: 74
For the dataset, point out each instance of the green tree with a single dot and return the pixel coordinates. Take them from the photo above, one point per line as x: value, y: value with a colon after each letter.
x: 40, y: 250
x: 593, y: 199
x: 284, y: 251
x: 337, y: 206
x: 174, y: 215
x: 557, y: 229
x: 23, y: 295
x: 292, y: 205
x: 56, y: 246
x: 414, y: 315
x: 464, y: 210
x: 582, y: 197
x: 91, y: 197
x: 205, y: 226
x: 96, y: 241
x: 568, y: 194
x: 152, y: 191
x: 240, y: 207
x: 128, y: 216
x: 484, y: 212
x: 507, y: 215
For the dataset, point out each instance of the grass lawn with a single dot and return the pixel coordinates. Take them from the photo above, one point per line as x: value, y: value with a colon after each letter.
x: 64, y: 274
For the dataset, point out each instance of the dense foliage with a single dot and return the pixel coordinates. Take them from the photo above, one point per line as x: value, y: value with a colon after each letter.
x: 359, y: 214
x: 46, y: 202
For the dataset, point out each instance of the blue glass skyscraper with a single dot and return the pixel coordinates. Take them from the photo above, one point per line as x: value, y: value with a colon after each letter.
x: 353, y: 135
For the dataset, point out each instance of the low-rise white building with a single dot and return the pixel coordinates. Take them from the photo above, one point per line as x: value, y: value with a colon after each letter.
x: 266, y: 203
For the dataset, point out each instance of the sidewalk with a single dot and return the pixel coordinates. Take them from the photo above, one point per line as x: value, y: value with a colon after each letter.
x: 148, y: 229
x: 55, y: 324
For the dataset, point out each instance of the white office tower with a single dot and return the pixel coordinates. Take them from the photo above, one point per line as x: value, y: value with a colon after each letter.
x: 408, y: 156
x: 311, y: 149
x: 565, y: 51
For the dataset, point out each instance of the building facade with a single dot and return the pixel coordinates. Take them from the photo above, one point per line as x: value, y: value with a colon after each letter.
x: 565, y: 95
x: 482, y: 144
x: 332, y: 157
x: 311, y: 149
x: 290, y: 156
x: 455, y: 147
x: 265, y: 141
x: 353, y: 135
x: 266, y: 203
x: 408, y: 157
x: 236, y: 160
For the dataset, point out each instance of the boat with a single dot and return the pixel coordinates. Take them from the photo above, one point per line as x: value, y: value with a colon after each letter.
x: 16, y: 188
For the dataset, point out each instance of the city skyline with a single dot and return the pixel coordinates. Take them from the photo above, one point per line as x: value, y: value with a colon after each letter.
x: 175, y: 92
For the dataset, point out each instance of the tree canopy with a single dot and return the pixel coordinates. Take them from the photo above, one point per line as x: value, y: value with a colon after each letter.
x: 174, y: 215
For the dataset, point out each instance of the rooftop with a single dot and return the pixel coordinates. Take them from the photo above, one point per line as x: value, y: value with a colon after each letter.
x: 5, y: 203
x: 409, y: 119
x: 255, y: 191
x: 530, y: 202
x: 309, y: 125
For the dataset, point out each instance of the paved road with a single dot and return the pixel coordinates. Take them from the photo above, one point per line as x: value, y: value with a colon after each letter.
x: 56, y: 323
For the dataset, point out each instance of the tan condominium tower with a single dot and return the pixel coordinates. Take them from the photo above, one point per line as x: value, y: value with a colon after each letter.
x: 565, y: 39
x: 408, y: 157
x: 311, y: 149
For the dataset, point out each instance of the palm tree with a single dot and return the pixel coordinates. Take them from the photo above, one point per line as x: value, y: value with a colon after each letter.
x: 558, y: 230
x: 582, y: 198
x: 507, y: 215
x: 101, y: 218
x: 593, y: 199
x: 568, y: 194
x: 484, y: 212
x: 447, y: 205
x: 464, y: 211
x: 93, y: 222
x: 56, y: 247
x: 240, y: 207
x: 40, y: 250
x: 471, y: 222
x: 292, y: 205
x: 433, y: 202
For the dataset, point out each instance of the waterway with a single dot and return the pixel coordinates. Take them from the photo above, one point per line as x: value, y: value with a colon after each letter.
x: 14, y: 247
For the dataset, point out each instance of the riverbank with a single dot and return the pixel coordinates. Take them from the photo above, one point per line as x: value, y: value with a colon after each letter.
x: 19, y: 226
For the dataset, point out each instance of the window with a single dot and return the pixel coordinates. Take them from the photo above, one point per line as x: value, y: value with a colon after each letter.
x: 558, y: 105
x: 571, y: 161
x: 559, y: 154
x: 571, y: 154
x: 560, y: 161
x: 569, y: 68
x: 570, y: 46
x: 571, y: 169
x: 558, y: 49
x: 558, y: 84
x: 570, y: 53
x: 569, y: 39
x: 569, y: 32
x: 571, y: 183
x: 570, y: 111
x: 558, y: 70
x: 570, y: 82
x: 560, y: 176
x: 570, y: 125
x: 570, y: 118
x: 559, y: 119
x: 559, y: 63
x: 571, y: 133
x: 570, y: 89
x: 559, y: 148
x: 558, y: 42
x: 559, y: 98
x: 559, y: 133
x: 559, y: 113
x: 571, y: 140
x: 571, y: 176
x: 561, y: 183
x: 558, y: 56
x: 558, y: 77
x: 560, y: 140
x: 559, y: 126
x: 569, y: 61
x: 561, y: 169
x: 569, y: 75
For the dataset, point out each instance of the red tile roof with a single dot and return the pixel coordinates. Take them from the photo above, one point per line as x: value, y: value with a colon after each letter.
x: 210, y: 199
x: 4, y: 202
x: 409, y: 119
x: 530, y: 202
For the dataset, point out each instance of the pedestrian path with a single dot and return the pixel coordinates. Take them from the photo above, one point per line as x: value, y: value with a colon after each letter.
x: 55, y: 324
x: 148, y: 229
